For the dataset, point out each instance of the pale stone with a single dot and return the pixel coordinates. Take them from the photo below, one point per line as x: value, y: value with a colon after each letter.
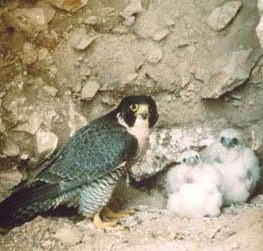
x: 46, y: 141
x: 160, y: 34
x: 52, y: 91
x: 32, y: 125
x: 72, y: 6
x: 30, y: 20
x: 80, y: 40
x: 260, y: 6
x: 155, y: 55
x: 90, y: 89
x: 29, y: 54
x: 134, y: 7
x: 223, y: 15
x: 11, y: 149
x: 259, y: 31
x: 68, y: 235
x: 76, y: 120
x: 228, y: 72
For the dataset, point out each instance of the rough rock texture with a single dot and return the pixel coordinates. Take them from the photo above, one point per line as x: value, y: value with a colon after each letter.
x: 229, y: 72
x: 223, y: 15
x: 66, y: 62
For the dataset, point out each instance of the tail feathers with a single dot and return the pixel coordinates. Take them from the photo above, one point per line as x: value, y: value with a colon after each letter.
x: 28, y: 202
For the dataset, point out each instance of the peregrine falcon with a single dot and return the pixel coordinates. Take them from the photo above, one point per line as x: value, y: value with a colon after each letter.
x: 194, y: 188
x: 88, y: 167
x: 238, y: 165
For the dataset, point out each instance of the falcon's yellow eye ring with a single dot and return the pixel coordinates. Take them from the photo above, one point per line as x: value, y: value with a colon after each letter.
x: 134, y: 107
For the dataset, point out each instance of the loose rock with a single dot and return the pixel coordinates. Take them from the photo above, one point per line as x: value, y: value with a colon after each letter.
x: 223, y: 15
x: 259, y: 31
x: 80, y: 40
x: 133, y: 8
x: 68, y: 235
x: 160, y: 34
x: 32, y: 125
x: 30, y: 20
x: 29, y: 54
x: 90, y: 89
x: 52, y: 91
x: 72, y: 5
x: 260, y: 6
x: 76, y: 120
x: 228, y: 72
x: 46, y: 141
x: 155, y: 56
x: 11, y: 149
x: 150, y: 23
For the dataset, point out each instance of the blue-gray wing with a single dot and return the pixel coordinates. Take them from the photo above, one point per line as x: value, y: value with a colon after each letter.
x: 92, y: 152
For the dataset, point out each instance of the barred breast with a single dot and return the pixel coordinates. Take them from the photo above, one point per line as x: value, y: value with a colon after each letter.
x: 96, y: 195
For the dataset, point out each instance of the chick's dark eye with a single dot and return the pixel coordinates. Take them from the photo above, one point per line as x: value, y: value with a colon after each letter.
x: 196, y: 157
x: 222, y: 139
x: 134, y: 107
x: 235, y: 141
x: 184, y: 159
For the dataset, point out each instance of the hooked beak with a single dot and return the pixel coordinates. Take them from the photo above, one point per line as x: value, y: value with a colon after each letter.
x: 143, y: 112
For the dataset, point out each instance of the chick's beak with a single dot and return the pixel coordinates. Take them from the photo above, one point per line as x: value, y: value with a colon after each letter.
x: 192, y: 160
x: 227, y: 142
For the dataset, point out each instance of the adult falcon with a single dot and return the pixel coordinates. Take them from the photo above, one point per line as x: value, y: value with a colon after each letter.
x: 88, y: 167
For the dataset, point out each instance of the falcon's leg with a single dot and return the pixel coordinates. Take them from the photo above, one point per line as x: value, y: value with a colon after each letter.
x: 107, y: 212
x: 102, y: 224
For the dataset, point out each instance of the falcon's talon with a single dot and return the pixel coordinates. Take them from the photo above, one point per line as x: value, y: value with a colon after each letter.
x: 108, y: 213
x: 100, y: 224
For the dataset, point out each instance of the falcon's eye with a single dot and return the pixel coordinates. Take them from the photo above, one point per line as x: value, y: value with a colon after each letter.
x: 184, y: 160
x: 196, y: 157
x: 222, y: 139
x: 134, y: 107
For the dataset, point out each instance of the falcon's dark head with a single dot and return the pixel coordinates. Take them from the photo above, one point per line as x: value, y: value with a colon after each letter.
x: 138, y: 108
x: 231, y: 138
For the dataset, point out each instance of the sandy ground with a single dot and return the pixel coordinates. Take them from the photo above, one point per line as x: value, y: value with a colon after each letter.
x: 239, y: 227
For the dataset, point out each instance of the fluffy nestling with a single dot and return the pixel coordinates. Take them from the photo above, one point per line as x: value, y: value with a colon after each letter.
x: 88, y: 167
x: 194, y: 188
x: 239, y: 166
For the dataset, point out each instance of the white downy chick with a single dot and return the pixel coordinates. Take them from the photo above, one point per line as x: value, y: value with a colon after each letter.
x: 238, y: 166
x: 179, y: 174
x: 193, y: 188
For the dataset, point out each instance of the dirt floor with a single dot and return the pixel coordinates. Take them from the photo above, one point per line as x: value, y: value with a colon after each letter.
x: 239, y: 227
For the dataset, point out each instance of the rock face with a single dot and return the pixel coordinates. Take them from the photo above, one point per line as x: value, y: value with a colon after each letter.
x: 30, y: 20
x: 131, y: 10
x: 68, y: 5
x: 223, y: 15
x: 259, y: 31
x: 166, y: 144
x: 80, y: 40
x: 46, y: 141
x: 68, y: 235
x: 90, y: 89
x: 228, y: 72
x: 66, y: 62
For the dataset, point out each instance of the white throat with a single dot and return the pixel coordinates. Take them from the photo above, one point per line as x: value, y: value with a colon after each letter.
x: 140, y: 130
